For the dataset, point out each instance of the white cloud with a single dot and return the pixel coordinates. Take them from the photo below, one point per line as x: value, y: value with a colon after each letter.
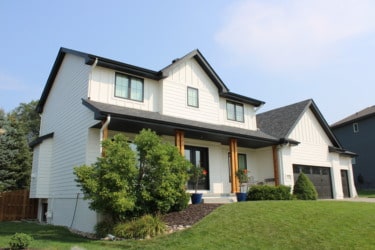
x: 293, y: 35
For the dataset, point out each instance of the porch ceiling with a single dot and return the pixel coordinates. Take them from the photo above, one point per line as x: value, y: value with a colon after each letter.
x: 133, y: 120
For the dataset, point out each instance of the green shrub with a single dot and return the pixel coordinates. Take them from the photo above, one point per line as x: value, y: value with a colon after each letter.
x: 146, y: 226
x: 104, y: 228
x: 264, y: 192
x: 20, y: 241
x: 304, y: 189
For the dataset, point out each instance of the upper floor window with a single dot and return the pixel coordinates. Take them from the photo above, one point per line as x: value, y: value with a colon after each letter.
x: 235, y: 111
x: 192, y: 97
x: 129, y: 87
x: 355, y: 127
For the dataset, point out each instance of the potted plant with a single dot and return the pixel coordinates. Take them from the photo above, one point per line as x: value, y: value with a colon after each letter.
x: 243, y: 179
x: 197, y: 172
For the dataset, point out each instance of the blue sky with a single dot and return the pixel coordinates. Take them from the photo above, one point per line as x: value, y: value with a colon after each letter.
x: 280, y: 52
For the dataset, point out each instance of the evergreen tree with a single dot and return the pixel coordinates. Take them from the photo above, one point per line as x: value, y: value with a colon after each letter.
x: 15, y: 156
x: 304, y: 189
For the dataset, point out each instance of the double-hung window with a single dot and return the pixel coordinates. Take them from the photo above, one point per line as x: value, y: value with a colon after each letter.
x: 129, y: 87
x: 235, y: 111
x: 192, y: 97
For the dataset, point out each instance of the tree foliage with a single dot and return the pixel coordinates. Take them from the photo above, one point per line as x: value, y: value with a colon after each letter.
x: 126, y: 183
x: 17, y: 129
x: 304, y: 189
x: 28, y: 118
x: 15, y: 157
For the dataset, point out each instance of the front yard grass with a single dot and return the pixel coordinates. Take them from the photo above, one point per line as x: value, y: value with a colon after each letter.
x: 366, y: 193
x: 244, y: 225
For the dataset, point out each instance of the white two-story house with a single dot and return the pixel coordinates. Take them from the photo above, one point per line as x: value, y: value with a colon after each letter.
x: 88, y: 98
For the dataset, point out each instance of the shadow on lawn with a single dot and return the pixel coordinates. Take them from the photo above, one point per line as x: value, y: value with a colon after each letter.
x: 41, y: 232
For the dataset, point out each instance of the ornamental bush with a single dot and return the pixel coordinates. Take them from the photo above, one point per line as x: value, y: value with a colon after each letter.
x: 264, y: 192
x: 128, y: 183
x: 304, y: 189
x: 143, y: 227
x: 20, y: 241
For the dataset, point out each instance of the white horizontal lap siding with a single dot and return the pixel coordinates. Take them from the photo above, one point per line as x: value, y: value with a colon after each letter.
x: 41, y: 173
x: 313, y: 147
x: 65, y: 115
x: 102, y: 89
x: 190, y: 74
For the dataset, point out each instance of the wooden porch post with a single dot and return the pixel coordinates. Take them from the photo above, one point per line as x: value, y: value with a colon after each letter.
x: 180, y: 141
x: 105, y: 136
x: 275, y: 165
x: 233, y: 164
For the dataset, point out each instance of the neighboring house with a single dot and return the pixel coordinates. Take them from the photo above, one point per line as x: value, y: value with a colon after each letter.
x: 357, y: 133
x: 88, y: 98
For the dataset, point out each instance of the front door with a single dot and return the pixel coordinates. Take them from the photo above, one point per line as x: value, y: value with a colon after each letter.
x: 198, y: 156
x: 345, y: 183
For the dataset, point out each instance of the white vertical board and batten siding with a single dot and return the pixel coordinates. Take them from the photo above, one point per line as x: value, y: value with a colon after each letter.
x: 102, y: 89
x: 189, y: 74
x: 65, y: 115
x: 212, y: 108
x: 314, y: 142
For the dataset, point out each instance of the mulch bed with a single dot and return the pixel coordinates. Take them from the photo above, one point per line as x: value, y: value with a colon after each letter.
x: 191, y: 215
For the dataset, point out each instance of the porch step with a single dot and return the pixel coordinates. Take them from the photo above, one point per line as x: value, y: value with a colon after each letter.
x: 219, y: 198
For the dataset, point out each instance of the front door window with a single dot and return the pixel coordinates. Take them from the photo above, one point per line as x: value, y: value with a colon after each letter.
x: 198, y: 156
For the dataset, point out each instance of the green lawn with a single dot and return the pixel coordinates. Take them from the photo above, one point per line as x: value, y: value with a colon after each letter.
x: 245, y: 225
x: 366, y: 193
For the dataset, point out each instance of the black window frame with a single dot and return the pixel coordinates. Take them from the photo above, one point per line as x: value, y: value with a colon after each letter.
x: 187, y: 96
x: 129, y: 77
x: 235, y: 105
x: 356, y: 127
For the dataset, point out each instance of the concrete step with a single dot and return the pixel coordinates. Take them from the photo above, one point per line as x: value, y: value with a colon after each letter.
x: 219, y: 198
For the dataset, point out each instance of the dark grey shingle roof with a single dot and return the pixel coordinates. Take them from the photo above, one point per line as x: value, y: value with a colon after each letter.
x: 367, y: 112
x: 102, y: 109
x: 281, y: 121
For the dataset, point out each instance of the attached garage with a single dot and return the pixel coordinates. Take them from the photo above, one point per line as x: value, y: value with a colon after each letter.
x: 319, y: 176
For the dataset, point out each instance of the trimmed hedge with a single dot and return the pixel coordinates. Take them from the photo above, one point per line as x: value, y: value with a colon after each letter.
x: 264, y: 192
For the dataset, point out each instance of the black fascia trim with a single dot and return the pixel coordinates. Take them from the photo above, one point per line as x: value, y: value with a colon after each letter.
x: 188, y: 127
x: 100, y: 115
x: 40, y: 139
x: 124, y: 67
x: 240, y: 98
x: 341, y: 151
x: 210, y: 72
x: 324, y: 124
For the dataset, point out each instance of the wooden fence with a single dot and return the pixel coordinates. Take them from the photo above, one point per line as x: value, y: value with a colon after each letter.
x: 16, y: 205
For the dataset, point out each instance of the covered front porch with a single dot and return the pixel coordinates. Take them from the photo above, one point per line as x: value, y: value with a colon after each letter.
x: 220, y: 150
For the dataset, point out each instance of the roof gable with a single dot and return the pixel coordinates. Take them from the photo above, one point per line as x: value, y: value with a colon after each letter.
x: 206, y: 67
x: 363, y: 114
x: 281, y: 122
x: 91, y: 59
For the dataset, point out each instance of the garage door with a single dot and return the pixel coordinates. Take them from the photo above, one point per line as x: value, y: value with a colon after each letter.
x: 319, y: 176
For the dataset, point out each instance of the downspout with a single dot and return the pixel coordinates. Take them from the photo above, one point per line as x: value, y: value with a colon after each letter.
x: 105, y: 126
